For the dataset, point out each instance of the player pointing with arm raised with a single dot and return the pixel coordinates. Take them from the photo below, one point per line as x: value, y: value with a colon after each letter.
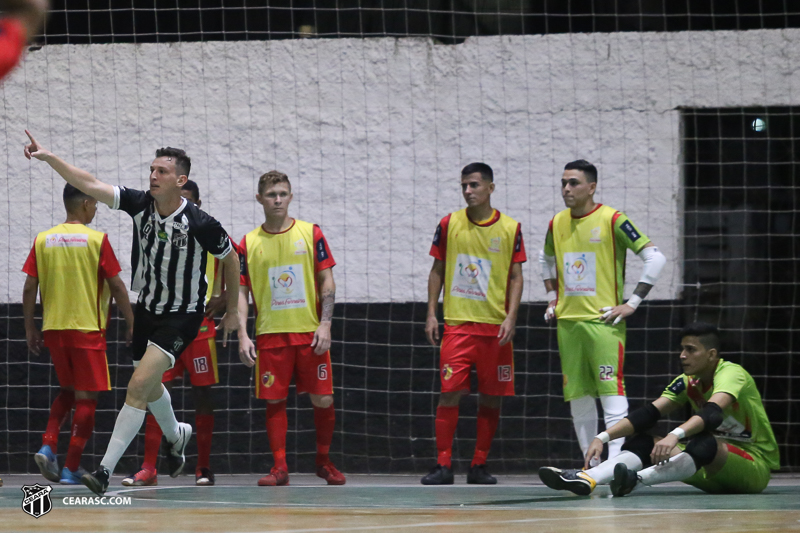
x: 583, y: 266
x: 478, y: 255
x: 287, y: 265
x: 727, y: 446
x: 170, y: 241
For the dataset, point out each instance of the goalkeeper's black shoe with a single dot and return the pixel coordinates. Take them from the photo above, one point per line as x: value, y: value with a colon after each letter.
x: 575, y: 481
x: 439, y: 475
x: 479, y: 476
x: 97, y: 481
x: 624, y: 481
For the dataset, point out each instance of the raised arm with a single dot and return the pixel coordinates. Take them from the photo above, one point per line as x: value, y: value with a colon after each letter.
x: 32, y: 333
x: 80, y: 179
x: 120, y: 294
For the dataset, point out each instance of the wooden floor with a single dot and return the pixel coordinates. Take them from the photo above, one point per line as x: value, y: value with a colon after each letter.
x: 399, y: 503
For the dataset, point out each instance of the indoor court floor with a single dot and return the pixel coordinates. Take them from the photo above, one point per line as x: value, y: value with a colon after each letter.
x: 399, y: 503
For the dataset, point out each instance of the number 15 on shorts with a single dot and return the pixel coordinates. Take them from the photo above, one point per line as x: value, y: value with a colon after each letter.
x: 606, y: 372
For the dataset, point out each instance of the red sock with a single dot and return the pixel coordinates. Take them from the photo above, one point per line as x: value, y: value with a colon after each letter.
x: 152, y: 441
x: 487, y: 425
x: 277, y: 424
x: 324, y: 420
x: 446, y: 422
x: 61, y: 407
x: 205, y: 429
x: 82, y: 427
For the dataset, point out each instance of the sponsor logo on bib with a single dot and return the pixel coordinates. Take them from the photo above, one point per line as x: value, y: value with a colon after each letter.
x: 66, y: 240
x: 580, y: 274
x: 288, y: 287
x: 471, y: 277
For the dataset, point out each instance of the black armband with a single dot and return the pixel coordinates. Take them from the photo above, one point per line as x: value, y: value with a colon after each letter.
x: 644, y: 418
x: 711, y: 414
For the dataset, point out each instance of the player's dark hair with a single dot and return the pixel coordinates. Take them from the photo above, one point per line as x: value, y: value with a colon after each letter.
x: 183, y: 164
x: 707, y: 333
x: 73, y: 197
x: 484, y: 170
x: 271, y: 178
x: 588, y: 169
x: 192, y: 187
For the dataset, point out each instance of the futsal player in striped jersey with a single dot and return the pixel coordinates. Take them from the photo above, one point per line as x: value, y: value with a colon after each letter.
x: 170, y: 240
x: 478, y: 254
x: 583, y: 267
x: 75, y: 270
x: 287, y: 266
x: 20, y: 21
x: 199, y: 359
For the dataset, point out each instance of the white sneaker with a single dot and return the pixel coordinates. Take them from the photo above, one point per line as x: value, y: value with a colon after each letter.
x: 175, y: 451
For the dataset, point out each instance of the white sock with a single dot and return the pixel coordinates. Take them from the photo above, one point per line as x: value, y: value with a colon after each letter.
x: 129, y: 421
x: 584, y: 418
x: 165, y: 416
x: 615, y: 408
x: 604, y: 472
x: 678, y: 468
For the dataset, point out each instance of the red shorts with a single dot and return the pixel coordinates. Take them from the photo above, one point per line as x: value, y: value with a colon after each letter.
x: 81, y: 368
x: 493, y: 363
x: 200, y: 360
x: 275, y: 367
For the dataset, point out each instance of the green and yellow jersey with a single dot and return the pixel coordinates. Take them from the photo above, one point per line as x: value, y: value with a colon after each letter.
x: 590, y: 257
x: 745, y: 422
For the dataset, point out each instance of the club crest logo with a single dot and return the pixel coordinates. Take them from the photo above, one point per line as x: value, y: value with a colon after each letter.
x: 176, y: 346
x: 447, y: 372
x: 267, y: 379
x: 36, y: 501
x: 595, y: 235
x: 180, y: 241
x: 494, y: 245
x: 300, y: 246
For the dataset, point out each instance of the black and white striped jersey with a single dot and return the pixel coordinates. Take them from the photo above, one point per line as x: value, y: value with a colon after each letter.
x: 168, y: 254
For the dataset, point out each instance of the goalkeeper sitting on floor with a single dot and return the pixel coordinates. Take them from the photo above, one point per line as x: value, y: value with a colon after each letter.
x: 727, y: 446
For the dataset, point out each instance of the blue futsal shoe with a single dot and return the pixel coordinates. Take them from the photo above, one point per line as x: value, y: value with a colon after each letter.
x: 68, y: 477
x: 47, y: 462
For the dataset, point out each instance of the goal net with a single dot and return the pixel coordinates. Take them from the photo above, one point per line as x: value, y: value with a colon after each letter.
x: 372, y: 109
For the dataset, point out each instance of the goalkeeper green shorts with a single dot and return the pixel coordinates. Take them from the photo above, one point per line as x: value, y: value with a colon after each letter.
x: 743, y: 473
x: 592, y: 357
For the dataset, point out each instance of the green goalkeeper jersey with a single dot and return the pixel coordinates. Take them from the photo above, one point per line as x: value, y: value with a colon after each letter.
x: 744, y: 422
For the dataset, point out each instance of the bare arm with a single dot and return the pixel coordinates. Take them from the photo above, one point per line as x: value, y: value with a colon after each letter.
x: 247, y: 350
x: 32, y: 333
x: 230, y: 321
x: 218, y: 300
x: 80, y: 179
x: 663, y: 448
x: 327, y: 288
x: 120, y: 294
x: 435, y: 284
x: 509, y: 325
x: 624, y: 428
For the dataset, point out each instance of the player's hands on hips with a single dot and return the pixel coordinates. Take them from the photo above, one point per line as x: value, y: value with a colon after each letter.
x: 322, y: 338
x: 35, y: 341
x: 34, y: 149
x: 216, y: 305
x: 228, y: 325
x: 550, y: 313
x: 617, y: 314
x: 594, y: 452
x: 247, y: 350
x: 507, y: 330
x: 432, y: 330
x: 663, y: 448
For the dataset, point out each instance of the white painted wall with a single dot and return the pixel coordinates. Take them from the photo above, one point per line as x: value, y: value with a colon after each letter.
x: 374, y: 133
